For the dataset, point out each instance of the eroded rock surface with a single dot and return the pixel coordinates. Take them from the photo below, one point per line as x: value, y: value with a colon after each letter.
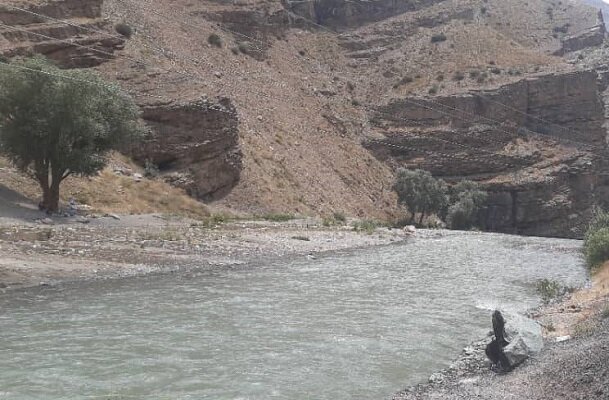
x: 535, y: 145
x: 195, y: 145
x: 70, y: 32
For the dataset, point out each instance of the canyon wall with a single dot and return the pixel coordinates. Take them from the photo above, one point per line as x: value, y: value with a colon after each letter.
x: 538, y: 146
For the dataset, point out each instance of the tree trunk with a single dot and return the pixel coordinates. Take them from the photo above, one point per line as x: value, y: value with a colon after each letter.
x: 52, y: 202
x: 43, y: 181
x: 50, y: 191
x: 421, y: 217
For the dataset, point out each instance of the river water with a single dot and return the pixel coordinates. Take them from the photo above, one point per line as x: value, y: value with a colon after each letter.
x: 356, y: 325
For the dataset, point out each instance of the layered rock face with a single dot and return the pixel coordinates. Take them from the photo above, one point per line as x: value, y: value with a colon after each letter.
x: 195, y: 145
x: 591, y: 37
x: 83, y: 41
x: 254, y: 30
x: 535, y: 145
x: 569, y: 102
x: 341, y: 14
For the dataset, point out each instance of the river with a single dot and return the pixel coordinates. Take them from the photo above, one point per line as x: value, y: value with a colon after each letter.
x: 354, y: 325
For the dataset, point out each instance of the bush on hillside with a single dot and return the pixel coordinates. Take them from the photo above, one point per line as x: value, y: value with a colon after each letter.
x: 124, y: 29
x: 458, y: 76
x: 596, y: 248
x: 596, y: 240
x: 214, y: 40
x: 439, y: 37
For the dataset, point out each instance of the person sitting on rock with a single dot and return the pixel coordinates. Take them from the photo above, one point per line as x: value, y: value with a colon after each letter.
x: 494, y: 350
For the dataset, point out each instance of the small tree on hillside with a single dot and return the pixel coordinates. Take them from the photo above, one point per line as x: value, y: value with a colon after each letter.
x: 420, y: 192
x: 56, y: 123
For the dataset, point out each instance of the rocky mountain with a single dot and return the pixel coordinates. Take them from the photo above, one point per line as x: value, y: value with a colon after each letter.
x: 310, y: 106
x: 600, y: 5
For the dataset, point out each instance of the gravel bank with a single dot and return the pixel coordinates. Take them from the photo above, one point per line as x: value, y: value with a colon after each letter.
x: 572, y: 370
x: 34, y: 254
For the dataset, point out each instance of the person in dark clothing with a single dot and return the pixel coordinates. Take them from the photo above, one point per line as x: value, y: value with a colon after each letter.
x: 494, y: 350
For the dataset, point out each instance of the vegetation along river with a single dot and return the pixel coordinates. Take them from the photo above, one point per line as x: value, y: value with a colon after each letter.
x: 356, y: 325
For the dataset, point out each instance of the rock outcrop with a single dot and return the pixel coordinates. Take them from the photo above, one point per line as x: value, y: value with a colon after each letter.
x: 69, y: 32
x: 591, y: 37
x: 195, y: 146
x: 341, y: 14
x: 506, y: 140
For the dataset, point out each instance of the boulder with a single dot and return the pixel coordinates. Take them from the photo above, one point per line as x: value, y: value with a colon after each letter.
x: 525, y: 339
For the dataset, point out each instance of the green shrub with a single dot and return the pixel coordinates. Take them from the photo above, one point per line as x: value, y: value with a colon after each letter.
x: 458, y: 76
x: 466, y: 199
x: 438, y: 37
x: 596, y: 247
x: 336, y: 219
x: 368, y: 226
x: 244, y: 48
x: 151, y: 170
x: 214, y: 40
x: 600, y: 219
x: 433, y: 89
x: 278, y: 217
x: 339, y: 217
x: 234, y: 50
x: 550, y: 290
x: 596, y: 239
x: 124, y: 29
x: 405, y: 80
x: 303, y: 238
x: 461, y: 214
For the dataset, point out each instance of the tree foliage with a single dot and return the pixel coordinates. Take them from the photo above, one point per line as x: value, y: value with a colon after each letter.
x: 420, y: 192
x: 596, y: 239
x: 56, y: 123
x: 466, y: 200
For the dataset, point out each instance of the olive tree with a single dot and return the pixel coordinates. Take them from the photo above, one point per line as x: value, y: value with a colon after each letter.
x: 420, y: 192
x: 55, y: 123
x: 466, y: 200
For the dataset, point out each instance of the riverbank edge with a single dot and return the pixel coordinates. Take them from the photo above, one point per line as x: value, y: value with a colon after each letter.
x: 98, y: 269
x: 472, y: 365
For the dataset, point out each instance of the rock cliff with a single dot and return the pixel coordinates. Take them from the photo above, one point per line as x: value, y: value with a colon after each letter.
x: 55, y: 29
x: 194, y: 145
x: 536, y: 145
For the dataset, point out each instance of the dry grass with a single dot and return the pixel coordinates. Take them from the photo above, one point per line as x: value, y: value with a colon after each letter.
x: 112, y: 193
x: 577, y: 315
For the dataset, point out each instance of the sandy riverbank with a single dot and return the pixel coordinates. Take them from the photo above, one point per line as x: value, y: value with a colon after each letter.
x: 577, y: 368
x: 32, y: 254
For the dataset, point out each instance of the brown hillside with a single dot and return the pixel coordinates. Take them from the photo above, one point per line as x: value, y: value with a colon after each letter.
x: 271, y: 115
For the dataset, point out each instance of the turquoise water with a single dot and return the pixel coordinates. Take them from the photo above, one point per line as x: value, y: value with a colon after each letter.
x: 354, y: 325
